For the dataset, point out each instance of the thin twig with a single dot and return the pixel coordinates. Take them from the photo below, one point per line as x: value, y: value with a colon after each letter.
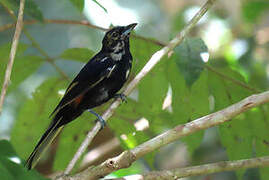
x: 156, y: 57
x: 75, y: 22
x: 202, y: 169
x: 12, y: 54
x: 54, y: 21
x: 125, y: 159
x: 34, y: 43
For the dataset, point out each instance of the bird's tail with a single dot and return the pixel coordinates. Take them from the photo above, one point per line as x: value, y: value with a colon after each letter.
x: 43, y: 144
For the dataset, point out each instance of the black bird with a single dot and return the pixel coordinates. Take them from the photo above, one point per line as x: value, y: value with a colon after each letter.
x: 97, y: 82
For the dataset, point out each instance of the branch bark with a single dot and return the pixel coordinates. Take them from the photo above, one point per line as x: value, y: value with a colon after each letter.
x: 15, y: 41
x: 156, y: 57
x: 126, y: 158
x: 202, y: 169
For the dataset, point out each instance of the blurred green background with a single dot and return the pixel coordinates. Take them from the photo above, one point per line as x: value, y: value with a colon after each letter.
x: 224, y: 59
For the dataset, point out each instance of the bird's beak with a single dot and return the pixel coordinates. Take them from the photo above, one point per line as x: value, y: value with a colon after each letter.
x: 128, y: 29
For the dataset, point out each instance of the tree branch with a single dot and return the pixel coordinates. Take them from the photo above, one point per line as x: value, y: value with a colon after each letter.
x: 12, y: 54
x: 75, y: 22
x: 203, y: 169
x: 126, y: 158
x: 156, y: 57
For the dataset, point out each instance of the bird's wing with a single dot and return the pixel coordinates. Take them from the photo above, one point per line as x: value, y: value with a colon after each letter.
x: 89, y: 76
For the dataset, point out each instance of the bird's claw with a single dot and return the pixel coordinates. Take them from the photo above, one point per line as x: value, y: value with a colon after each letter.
x: 99, y: 119
x: 102, y: 122
x: 122, y: 96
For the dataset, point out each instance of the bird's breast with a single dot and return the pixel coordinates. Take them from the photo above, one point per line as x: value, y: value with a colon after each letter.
x: 109, y: 86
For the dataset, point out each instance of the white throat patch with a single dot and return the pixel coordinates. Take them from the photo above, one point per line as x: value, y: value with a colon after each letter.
x: 118, y: 51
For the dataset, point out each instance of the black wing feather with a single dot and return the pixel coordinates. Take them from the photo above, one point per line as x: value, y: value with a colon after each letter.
x: 89, y: 76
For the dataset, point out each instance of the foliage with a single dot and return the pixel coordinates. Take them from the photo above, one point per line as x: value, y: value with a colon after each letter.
x: 9, y: 167
x: 196, y: 87
x: 31, y: 8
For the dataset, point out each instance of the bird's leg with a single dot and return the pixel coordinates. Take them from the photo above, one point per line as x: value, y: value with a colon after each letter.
x: 122, y: 96
x: 99, y: 118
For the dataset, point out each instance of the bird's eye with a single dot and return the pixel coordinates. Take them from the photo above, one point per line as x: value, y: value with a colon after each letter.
x: 115, y: 34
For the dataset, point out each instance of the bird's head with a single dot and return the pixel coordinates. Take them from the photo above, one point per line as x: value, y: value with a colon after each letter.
x: 117, y: 38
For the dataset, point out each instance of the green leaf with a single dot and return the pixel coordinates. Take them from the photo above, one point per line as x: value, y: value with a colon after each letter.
x: 259, y: 128
x: 199, y: 107
x: 4, y: 51
x: 31, y: 8
x: 4, y: 173
x: 188, y: 103
x: 9, y: 169
x: 180, y: 95
x: 141, y: 51
x: 20, y: 72
x: 122, y: 122
x: 218, y: 91
x: 153, y: 90
x: 188, y: 59
x: 79, y: 4
x: 241, y: 132
x: 10, y: 4
x: 252, y: 10
x: 79, y: 54
x: 6, y: 149
x: 33, y: 117
x: 233, y: 135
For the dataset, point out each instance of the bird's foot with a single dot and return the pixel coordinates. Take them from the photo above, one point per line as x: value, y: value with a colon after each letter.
x: 122, y: 96
x: 99, y: 119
